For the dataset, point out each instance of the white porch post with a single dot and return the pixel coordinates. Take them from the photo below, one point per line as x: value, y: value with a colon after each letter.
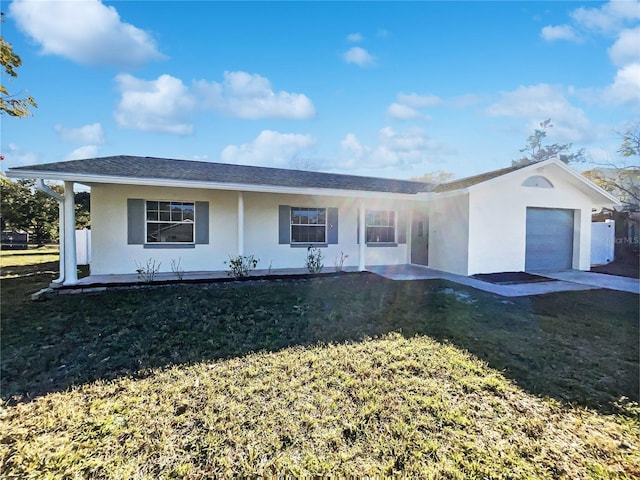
x: 61, y: 243
x: 240, y: 223
x: 361, y: 237
x: 70, y: 264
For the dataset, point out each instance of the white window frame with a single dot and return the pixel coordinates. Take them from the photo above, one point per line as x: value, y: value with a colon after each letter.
x: 368, y: 225
x: 182, y: 222
x: 318, y: 225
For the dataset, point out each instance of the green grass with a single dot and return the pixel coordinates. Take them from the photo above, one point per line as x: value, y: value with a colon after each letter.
x: 347, y: 375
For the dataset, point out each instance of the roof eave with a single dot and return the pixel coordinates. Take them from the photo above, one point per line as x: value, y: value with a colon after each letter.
x: 608, y: 198
x: 88, y: 179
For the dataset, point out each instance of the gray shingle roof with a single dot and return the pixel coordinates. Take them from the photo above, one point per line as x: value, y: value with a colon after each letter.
x: 474, y: 180
x: 172, y: 169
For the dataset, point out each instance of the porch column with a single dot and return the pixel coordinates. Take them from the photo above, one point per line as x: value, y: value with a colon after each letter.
x: 70, y: 264
x: 240, y: 223
x: 361, y: 237
x: 61, y: 243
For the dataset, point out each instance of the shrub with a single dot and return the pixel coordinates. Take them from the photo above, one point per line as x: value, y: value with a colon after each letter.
x: 339, y: 262
x: 147, y: 271
x: 177, y: 269
x: 314, y: 260
x: 240, y: 266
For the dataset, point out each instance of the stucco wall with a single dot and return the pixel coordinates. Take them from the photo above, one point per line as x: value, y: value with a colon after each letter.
x: 112, y: 255
x: 497, y: 219
x: 449, y: 234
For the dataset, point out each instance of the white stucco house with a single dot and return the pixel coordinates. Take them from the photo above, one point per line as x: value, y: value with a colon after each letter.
x: 531, y: 218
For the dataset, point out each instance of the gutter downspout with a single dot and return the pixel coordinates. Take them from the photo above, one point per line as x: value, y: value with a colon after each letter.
x: 44, y: 188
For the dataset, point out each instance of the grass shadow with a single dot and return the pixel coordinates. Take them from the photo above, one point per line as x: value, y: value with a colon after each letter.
x: 557, y: 345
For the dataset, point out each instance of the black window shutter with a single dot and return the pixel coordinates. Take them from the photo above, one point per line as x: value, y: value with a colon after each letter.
x: 332, y: 226
x: 135, y: 221
x: 202, y: 223
x: 284, y: 224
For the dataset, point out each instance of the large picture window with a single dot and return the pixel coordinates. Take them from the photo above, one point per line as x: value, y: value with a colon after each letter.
x: 381, y: 226
x: 308, y: 225
x: 170, y: 222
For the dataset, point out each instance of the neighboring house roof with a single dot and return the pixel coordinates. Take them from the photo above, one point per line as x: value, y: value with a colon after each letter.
x: 469, y: 181
x: 131, y: 167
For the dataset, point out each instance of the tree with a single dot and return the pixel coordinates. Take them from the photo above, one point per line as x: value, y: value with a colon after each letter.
x: 436, y: 177
x: 630, y: 146
x: 12, y: 104
x: 24, y: 208
x: 622, y: 179
x: 535, y: 151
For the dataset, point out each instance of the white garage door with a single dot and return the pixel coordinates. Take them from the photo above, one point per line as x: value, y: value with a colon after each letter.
x: 549, y: 239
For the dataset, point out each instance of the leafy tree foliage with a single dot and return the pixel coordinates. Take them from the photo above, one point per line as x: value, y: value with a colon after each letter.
x: 24, y: 208
x: 12, y: 104
x: 535, y: 151
x: 630, y: 146
x: 623, y: 178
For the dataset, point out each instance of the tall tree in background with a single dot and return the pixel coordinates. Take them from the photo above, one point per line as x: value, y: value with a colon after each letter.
x: 24, y: 208
x: 623, y: 178
x: 12, y: 104
x: 535, y: 151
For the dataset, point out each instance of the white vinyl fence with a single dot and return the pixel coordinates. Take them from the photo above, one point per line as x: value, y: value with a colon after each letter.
x: 603, y: 242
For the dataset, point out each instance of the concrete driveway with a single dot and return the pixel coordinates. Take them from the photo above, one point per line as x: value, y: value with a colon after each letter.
x: 565, y: 281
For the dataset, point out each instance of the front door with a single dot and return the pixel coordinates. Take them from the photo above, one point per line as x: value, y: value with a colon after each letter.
x: 420, y: 237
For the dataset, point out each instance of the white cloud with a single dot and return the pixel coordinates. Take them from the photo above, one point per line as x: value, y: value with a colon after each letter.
x: 626, y: 49
x: 355, y: 37
x: 358, y: 56
x: 160, y: 105
x: 14, y: 156
x: 625, y: 89
x: 85, y: 31
x: 250, y: 96
x: 351, y: 145
x: 403, y: 112
x: 537, y: 103
x: 87, y: 151
x: 552, y: 33
x: 393, y: 149
x: 608, y: 18
x: 270, y: 149
x: 611, y: 19
x: 87, y: 134
x: 419, y: 101
x: 406, y: 108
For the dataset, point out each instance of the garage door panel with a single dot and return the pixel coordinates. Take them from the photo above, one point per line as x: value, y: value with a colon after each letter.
x: 549, y: 243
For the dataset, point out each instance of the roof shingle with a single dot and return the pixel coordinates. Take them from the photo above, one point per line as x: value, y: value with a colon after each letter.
x: 172, y: 169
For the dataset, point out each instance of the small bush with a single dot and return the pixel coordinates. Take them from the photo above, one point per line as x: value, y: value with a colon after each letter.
x: 241, y: 266
x: 314, y: 260
x: 339, y: 261
x: 177, y: 269
x: 147, y: 271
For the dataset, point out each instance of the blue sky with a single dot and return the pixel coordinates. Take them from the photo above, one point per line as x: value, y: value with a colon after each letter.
x: 388, y: 89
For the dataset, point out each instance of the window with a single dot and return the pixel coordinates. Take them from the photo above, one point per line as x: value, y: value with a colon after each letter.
x: 308, y: 225
x: 537, y: 181
x: 380, y: 226
x: 170, y: 222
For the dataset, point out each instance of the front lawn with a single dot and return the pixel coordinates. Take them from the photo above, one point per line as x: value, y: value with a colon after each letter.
x: 346, y: 375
